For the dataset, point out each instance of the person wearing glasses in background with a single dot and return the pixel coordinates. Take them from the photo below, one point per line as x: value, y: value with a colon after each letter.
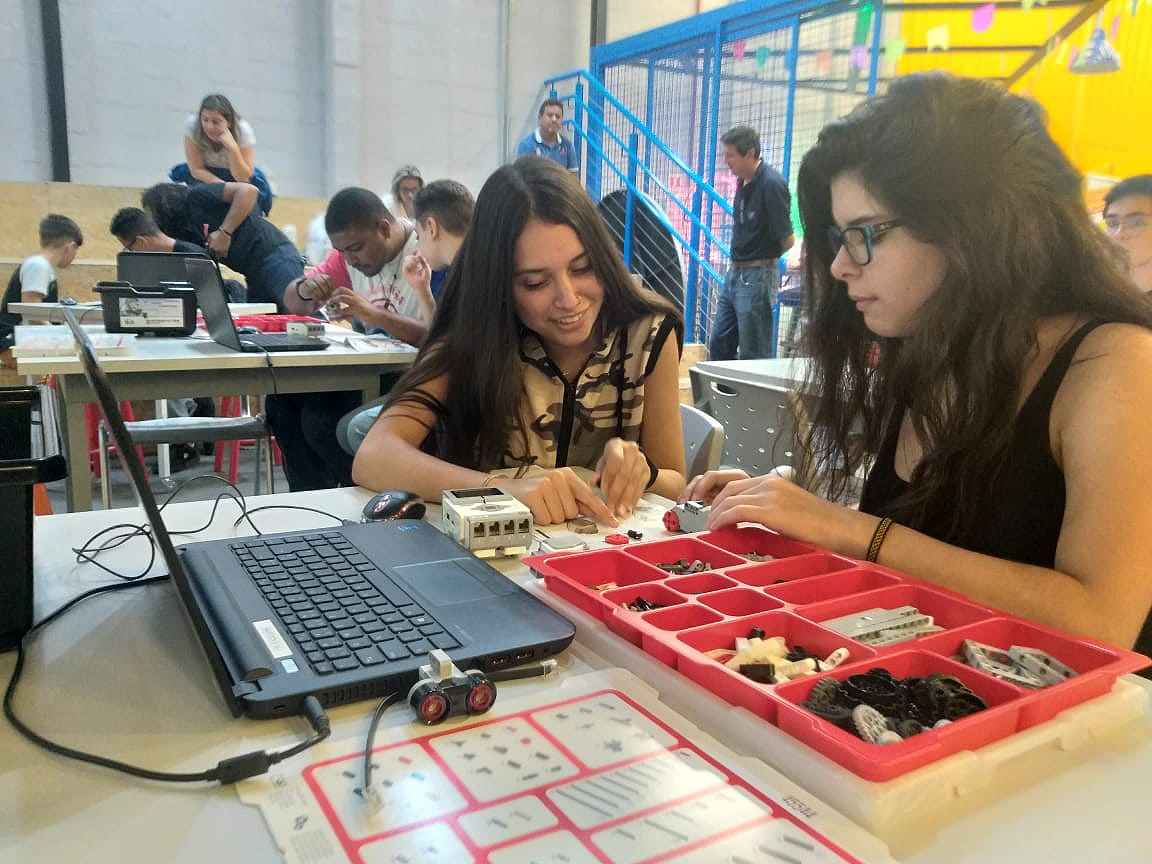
x: 974, y: 330
x: 1127, y: 219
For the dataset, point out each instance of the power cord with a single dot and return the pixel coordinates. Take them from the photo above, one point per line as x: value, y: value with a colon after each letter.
x: 87, y: 552
x: 226, y: 771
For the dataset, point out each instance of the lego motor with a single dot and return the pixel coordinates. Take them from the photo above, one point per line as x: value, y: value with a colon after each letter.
x: 689, y: 517
x: 443, y: 690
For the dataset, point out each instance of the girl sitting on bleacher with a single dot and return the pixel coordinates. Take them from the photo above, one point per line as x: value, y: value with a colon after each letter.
x: 218, y: 146
x: 543, y: 355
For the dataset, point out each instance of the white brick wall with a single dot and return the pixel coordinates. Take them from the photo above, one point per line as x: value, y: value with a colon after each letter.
x: 23, y: 102
x: 134, y: 72
x: 338, y: 92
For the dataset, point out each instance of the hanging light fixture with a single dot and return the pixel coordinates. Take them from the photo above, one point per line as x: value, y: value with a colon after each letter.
x: 1098, y: 55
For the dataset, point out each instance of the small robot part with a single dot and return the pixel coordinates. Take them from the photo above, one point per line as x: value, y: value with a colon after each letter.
x: 689, y: 517
x: 443, y: 690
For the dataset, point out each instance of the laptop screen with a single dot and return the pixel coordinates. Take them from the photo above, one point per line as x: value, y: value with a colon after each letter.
x: 213, y: 303
x: 152, y: 268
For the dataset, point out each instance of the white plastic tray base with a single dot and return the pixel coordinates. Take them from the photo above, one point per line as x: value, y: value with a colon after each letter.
x: 904, y: 811
x: 632, y: 781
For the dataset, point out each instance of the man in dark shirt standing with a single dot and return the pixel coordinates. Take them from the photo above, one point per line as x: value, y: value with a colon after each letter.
x: 761, y: 233
x: 221, y: 216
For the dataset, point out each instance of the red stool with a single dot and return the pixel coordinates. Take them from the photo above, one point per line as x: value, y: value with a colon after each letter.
x: 92, y: 420
x: 233, y: 406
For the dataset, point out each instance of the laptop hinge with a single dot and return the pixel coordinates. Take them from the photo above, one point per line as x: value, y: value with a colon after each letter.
x: 244, y: 688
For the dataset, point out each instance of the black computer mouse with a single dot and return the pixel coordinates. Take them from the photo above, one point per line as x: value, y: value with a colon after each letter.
x: 249, y: 329
x: 394, y: 504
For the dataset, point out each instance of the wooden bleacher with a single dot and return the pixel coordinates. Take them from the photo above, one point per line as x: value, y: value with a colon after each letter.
x: 22, y: 205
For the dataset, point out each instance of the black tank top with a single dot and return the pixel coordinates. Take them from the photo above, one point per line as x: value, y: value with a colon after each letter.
x: 1021, y: 511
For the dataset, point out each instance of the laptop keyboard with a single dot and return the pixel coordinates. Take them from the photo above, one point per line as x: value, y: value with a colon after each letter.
x: 320, y: 587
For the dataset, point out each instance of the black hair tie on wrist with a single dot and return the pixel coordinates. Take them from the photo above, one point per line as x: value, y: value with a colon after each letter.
x: 653, y: 471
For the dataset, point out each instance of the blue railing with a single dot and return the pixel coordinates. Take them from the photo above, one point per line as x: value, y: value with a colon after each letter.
x: 676, y: 186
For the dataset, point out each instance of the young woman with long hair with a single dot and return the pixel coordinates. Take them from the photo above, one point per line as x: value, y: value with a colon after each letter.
x: 974, y: 331
x: 543, y: 356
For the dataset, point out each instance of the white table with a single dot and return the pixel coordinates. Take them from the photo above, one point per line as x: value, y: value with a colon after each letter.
x: 91, y: 313
x: 162, y: 367
x: 789, y: 372
x: 123, y: 675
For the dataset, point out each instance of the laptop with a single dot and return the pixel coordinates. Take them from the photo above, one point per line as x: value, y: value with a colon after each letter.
x: 152, y: 268
x: 213, y: 303
x: 343, y: 614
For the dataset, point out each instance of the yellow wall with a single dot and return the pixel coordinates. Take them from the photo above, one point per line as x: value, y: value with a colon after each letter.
x: 1103, y: 121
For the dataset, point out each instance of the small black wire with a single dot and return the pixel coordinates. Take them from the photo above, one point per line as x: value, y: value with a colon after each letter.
x: 385, y: 703
x: 226, y: 771
x: 248, y: 512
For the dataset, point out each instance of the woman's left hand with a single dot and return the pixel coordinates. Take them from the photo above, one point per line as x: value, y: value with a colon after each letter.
x: 622, y: 475
x: 783, y: 506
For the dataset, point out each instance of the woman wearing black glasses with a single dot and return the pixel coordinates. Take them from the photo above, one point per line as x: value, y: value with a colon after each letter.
x: 974, y: 332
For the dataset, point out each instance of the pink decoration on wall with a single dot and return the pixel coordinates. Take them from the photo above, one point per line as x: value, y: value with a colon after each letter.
x: 824, y: 61
x: 738, y: 49
x: 859, y: 55
x: 982, y: 17
x: 1115, y: 26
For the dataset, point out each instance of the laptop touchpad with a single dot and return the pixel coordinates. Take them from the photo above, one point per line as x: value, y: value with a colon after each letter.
x: 462, y: 580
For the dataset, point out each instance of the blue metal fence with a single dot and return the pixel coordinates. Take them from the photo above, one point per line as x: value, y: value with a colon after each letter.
x: 649, y: 114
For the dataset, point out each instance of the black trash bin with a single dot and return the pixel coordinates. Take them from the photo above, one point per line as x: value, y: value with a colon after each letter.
x: 29, y: 454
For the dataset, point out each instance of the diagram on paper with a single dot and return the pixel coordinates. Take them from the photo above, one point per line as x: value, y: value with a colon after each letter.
x: 592, y: 779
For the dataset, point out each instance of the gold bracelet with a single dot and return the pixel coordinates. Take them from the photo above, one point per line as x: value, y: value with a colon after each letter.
x: 878, y: 539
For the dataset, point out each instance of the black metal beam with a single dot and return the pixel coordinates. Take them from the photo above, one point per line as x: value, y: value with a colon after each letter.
x: 54, y: 85
x: 1070, y: 27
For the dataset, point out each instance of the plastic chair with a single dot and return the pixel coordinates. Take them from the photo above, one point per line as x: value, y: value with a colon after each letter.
x: 760, y: 431
x: 703, y: 441
x: 189, y: 430
x: 233, y: 406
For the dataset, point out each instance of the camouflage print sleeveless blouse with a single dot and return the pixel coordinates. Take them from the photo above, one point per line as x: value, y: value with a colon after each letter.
x: 569, y: 424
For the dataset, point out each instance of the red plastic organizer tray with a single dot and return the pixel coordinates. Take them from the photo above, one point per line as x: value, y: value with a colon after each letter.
x: 265, y: 323
x: 788, y: 596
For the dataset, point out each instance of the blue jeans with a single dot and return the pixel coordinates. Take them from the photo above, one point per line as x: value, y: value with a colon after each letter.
x: 742, y: 323
x: 182, y: 174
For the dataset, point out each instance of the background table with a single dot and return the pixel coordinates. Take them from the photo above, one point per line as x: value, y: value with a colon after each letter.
x: 91, y: 313
x: 162, y: 367
x: 123, y: 674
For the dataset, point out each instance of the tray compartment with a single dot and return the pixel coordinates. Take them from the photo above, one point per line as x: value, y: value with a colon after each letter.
x: 881, y: 762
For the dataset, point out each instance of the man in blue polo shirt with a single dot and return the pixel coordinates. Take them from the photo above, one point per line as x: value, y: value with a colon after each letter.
x: 761, y: 233
x: 547, y: 141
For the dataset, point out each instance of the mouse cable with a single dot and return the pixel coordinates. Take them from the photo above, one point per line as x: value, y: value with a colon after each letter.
x: 247, y: 514
x: 226, y: 771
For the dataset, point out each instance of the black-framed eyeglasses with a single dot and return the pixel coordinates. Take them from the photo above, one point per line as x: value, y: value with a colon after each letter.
x: 859, y: 239
x: 1133, y: 223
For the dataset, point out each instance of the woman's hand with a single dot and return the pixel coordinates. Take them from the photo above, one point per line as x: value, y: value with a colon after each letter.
x: 622, y: 475
x: 227, y: 140
x: 705, y: 486
x: 557, y: 496
x: 219, y: 243
x: 783, y: 506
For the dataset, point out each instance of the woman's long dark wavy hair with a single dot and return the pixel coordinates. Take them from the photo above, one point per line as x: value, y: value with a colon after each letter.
x: 971, y: 169
x: 475, y: 337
